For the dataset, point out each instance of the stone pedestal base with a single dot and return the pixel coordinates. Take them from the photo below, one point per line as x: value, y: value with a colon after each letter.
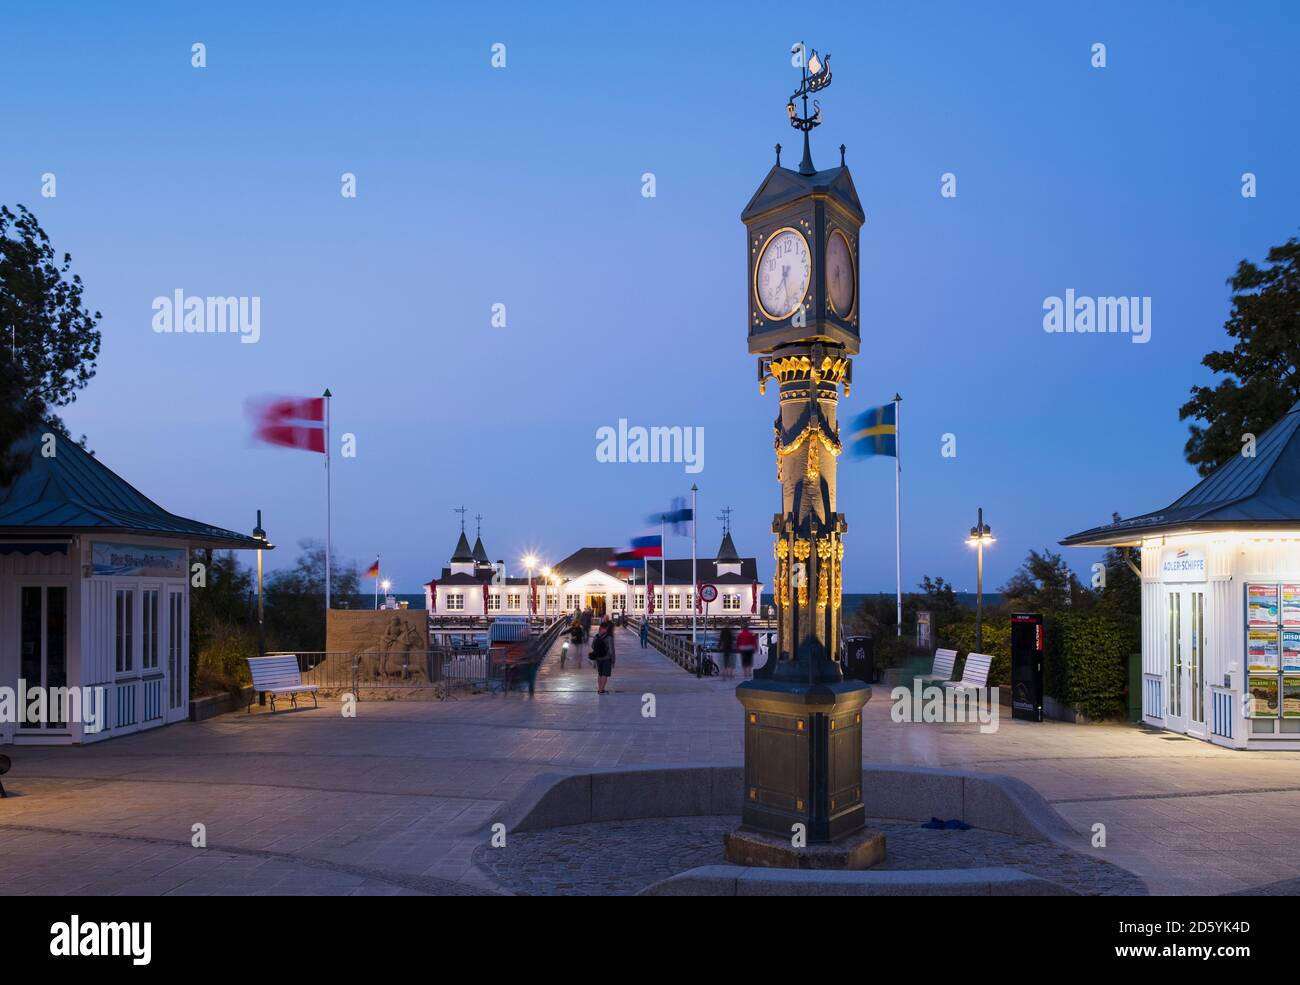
x: 860, y: 850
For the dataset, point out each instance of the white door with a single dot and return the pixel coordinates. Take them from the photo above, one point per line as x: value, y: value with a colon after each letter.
x: 1175, y: 661
x: 1185, y: 660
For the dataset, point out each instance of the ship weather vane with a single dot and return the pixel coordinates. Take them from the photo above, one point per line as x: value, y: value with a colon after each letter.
x: 815, y: 75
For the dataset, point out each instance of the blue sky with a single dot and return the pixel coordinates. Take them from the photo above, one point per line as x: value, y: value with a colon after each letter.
x: 522, y: 186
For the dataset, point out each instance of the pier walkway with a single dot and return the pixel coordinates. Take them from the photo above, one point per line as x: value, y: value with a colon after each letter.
x: 397, y: 799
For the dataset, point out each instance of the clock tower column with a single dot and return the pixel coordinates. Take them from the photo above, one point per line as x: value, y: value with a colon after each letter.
x: 803, y: 720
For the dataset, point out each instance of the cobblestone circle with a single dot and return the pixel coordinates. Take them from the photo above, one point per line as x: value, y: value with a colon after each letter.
x: 620, y: 858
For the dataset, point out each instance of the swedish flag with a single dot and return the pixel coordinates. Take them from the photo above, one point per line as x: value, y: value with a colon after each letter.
x: 875, y: 432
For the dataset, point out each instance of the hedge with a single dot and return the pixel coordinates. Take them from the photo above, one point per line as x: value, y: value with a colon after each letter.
x: 1084, y: 661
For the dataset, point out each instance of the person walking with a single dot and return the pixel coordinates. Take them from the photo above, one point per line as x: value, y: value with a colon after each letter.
x: 609, y: 625
x: 725, y: 645
x: 602, y: 652
x: 645, y: 631
x: 586, y: 622
x: 576, y: 639
x: 747, y: 643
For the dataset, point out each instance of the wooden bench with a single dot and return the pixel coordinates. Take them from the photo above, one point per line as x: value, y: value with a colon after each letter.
x: 941, y: 672
x: 279, y: 675
x: 974, y: 672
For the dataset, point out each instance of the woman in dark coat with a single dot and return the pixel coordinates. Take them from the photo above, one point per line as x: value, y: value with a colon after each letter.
x: 602, y: 651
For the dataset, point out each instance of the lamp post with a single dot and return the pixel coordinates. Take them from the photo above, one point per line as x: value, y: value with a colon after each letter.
x: 980, y: 534
x: 384, y: 586
x: 530, y: 562
x: 259, y: 535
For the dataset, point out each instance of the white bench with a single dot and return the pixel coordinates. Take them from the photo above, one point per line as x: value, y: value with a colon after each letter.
x: 975, y: 672
x: 279, y: 675
x: 941, y: 672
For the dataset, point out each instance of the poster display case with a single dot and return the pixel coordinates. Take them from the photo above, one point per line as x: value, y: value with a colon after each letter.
x: 1261, y: 692
x: 1273, y: 649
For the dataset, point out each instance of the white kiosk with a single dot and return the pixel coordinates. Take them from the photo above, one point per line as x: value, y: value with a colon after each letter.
x: 1221, y: 599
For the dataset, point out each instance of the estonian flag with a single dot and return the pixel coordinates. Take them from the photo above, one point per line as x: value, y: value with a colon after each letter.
x: 678, y: 518
x: 875, y: 432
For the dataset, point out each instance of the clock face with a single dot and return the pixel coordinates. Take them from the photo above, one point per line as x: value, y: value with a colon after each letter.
x: 782, y: 275
x: 840, y: 282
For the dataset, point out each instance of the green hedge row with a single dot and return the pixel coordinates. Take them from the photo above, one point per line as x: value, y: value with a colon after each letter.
x: 1085, y: 659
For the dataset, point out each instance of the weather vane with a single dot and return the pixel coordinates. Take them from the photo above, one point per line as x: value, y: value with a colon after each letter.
x: 815, y: 75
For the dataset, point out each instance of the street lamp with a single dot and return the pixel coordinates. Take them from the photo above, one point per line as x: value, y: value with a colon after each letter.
x: 259, y: 535
x: 530, y: 562
x: 384, y: 586
x: 980, y: 534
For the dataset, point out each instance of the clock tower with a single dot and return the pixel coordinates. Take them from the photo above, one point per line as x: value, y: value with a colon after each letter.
x: 803, y: 720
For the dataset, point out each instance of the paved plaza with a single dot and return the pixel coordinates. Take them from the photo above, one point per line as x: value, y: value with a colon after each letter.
x: 398, y: 799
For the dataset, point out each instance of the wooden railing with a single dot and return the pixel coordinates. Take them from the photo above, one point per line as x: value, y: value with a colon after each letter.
x: 678, y: 649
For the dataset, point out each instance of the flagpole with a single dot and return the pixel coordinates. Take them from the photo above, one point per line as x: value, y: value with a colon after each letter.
x: 328, y: 505
x: 663, y: 568
x: 376, y: 582
x: 898, y: 525
x: 695, y: 581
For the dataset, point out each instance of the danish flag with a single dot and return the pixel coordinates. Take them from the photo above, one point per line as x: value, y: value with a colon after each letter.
x: 291, y: 422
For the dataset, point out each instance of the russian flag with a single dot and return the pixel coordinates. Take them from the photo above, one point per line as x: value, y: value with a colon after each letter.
x: 647, y: 544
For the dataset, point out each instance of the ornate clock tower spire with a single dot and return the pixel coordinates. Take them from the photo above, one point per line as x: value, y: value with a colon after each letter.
x: 803, y: 720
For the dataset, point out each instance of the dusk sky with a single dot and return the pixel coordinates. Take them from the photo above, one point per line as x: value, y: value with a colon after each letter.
x: 522, y: 186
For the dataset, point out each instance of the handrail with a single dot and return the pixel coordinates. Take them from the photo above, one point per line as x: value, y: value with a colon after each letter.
x: 680, y: 651
x: 541, y: 645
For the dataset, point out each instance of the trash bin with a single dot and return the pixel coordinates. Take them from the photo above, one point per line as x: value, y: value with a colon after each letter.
x: 860, y: 658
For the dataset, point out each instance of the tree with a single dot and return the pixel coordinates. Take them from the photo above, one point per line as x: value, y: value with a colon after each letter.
x: 223, y: 624
x: 1045, y: 583
x: 1122, y: 593
x: 939, y: 597
x: 52, y: 341
x: 295, y: 598
x: 1261, y: 381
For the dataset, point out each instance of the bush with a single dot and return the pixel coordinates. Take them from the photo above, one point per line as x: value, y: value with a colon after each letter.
x: 1092, y: 659
x: 220, y: 664
x: 960, y: 636
x: 1084, y: 660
